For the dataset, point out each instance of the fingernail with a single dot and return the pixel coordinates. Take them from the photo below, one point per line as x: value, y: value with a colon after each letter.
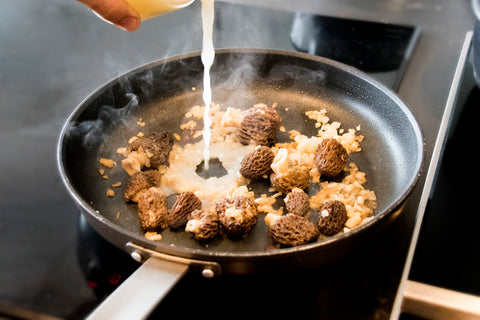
x: 129, y: 23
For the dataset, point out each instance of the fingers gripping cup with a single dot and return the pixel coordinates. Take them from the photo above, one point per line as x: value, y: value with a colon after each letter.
x: 152, y: 8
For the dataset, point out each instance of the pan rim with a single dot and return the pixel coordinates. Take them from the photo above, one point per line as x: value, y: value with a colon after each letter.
x: 206, y: 254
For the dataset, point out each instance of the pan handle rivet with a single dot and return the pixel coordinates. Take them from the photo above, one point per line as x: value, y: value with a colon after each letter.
x: 136, y: 256
x: 208, y: 273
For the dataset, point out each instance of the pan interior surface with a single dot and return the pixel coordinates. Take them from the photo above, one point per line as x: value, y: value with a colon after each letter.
x: 160, y: 94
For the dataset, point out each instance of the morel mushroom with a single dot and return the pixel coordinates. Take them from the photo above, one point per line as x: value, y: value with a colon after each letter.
x: 330, y: 157
x: 185, y: 203
x: 203, y: 224
x: 294, y: 177
x: 290, y: 229
x: 238, y: 215
x: 140, y: 182
x: 157, y: 146
x: 296, y: 202
x: 152, y: 210
x: 259, y: 125
x: 332, y: 217
x: 257, y: 163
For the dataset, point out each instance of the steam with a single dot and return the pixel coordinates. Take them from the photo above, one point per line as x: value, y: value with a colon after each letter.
x: 238, y: 76
x: 237, y: 71
x: 146, y: 78
x: 286, y: 72
x: 90, y: 132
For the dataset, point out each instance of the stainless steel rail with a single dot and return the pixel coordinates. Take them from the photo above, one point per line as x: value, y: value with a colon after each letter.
x: 421, y: 299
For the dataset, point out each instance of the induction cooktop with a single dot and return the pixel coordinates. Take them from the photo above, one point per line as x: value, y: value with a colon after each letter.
x: 441, y: 278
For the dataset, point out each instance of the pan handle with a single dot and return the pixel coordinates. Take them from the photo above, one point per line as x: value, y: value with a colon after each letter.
x: 149, y: 284
x: 141, y: 292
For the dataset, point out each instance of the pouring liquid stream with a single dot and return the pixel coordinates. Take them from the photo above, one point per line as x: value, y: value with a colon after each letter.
x: 208, y: 55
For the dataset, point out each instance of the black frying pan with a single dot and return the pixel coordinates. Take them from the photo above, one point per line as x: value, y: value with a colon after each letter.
x: 161, y: 93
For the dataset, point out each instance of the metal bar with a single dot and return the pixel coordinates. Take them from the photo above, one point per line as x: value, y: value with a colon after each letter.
x: 9, y: 312
x: 141, y: 292
x: 438, y: 303
x: 432, y: 169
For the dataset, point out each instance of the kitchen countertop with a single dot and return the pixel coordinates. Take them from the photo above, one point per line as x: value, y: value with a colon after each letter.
x: 53, y: 53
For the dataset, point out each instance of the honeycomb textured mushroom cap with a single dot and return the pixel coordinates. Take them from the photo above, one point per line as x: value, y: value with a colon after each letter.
x: 332, y: 217
x: 296, y: 202
x: 293, y: 230
x: 157, y: 145
x: 257, y: 163
x: 185, y: 203
x: 238, y: 215
x: 295, y: 177
x: 152, y: 210
x: 259, y: 125
x: 140, y: 182
x: 330, y: 157
x: 204, y: 224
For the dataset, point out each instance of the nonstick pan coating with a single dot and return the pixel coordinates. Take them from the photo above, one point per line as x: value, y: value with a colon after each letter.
x: 161, y: 92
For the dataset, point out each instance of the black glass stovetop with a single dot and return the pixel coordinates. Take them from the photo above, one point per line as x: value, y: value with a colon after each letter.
x: 441, y: 278
x: 447, y: 253
x: 382, y: 50
x: 361, y: 286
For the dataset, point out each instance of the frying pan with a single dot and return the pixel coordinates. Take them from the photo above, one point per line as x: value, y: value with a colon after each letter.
x: 161, y: 92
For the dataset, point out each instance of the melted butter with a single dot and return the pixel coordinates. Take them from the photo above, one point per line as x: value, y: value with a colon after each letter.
x: 180, y: 176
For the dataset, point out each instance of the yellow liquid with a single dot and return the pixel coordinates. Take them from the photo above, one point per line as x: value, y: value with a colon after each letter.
x: 151, y: 8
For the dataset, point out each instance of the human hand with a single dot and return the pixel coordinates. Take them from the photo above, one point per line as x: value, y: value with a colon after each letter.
x: 118, y: 12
